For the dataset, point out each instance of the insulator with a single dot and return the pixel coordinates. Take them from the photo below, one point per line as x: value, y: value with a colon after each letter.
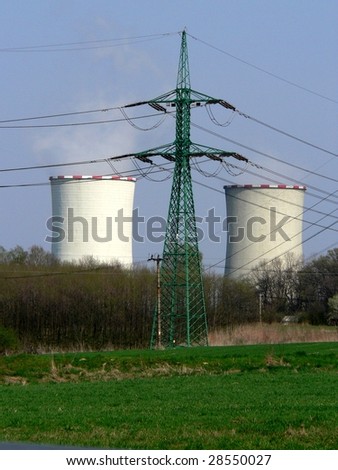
x: 158, y: 107
x: 227, y: 105
x: 144, y: 159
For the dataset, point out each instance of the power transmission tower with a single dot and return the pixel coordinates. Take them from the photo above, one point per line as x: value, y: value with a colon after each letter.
x: 183, y: 313
x: 158, y: 260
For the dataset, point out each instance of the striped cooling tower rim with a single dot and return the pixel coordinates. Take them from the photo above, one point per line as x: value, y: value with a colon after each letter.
x: 81, y: 177
x: 265, y: 186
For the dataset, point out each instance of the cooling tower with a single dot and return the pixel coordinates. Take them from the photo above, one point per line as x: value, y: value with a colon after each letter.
x: 92, y: 217
x: 263, y: 222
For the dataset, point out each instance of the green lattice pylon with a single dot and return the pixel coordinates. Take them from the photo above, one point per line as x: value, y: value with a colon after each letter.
x: 181, y: 319
x: 183, y: 314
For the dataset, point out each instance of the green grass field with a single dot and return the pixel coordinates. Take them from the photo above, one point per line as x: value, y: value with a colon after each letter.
x: 241, y: 397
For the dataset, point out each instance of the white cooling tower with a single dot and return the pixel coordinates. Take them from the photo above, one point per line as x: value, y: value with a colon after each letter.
x: 92, y: 217
x: 263, y: 222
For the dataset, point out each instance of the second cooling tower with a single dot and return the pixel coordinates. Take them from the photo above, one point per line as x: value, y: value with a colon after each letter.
x: 263, y: 222
x: 92, y: 218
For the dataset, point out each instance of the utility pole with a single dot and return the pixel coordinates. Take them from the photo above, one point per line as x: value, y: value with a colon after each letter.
x: 260, y: 306
x: 183, y: 313
x: 158, y: 260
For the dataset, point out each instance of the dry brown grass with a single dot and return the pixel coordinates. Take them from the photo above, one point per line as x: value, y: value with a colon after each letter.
x: 257, y: 333
x: 69, y: 373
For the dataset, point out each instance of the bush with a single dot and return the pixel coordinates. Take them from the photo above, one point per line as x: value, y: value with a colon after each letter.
x: 316, y: 313
x: 332, y: 318
x: 8, y: 340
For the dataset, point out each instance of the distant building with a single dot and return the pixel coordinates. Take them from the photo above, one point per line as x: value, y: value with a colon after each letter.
x: 263, y: 222
x: 92, y: 217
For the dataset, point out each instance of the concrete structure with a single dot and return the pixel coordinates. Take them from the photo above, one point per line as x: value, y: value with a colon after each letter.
x: 263, y: 222
x: 92, y: 217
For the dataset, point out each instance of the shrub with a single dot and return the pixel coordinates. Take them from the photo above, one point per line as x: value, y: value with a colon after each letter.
x: 8, y: 340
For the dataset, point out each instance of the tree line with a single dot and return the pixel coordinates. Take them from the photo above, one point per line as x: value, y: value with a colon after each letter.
x: 49, y: 305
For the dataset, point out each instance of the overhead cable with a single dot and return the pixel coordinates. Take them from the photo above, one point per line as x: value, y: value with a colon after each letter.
x: 303, y: 141
x: 75, y: 124
x: 260, y: 69
x: 247, y: 147
x: 86, y: 45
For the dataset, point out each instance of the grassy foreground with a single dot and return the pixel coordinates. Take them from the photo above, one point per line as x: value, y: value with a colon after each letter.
x: 239, y: 397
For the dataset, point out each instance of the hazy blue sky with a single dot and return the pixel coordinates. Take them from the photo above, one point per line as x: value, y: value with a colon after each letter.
x: 295, y: 40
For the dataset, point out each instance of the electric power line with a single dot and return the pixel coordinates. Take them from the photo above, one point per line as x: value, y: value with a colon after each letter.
x: 247, y: 147
x: 323, y: 228
x: 287, y: 134
x: 86, y: 45
x: 145, y: 174
x: 260, y: 69
x: 75, y: 124
x: 49, y: 116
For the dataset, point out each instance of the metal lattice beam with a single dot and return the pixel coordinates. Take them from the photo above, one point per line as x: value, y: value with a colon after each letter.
x: 182, y: 319
x: 183, y: 314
